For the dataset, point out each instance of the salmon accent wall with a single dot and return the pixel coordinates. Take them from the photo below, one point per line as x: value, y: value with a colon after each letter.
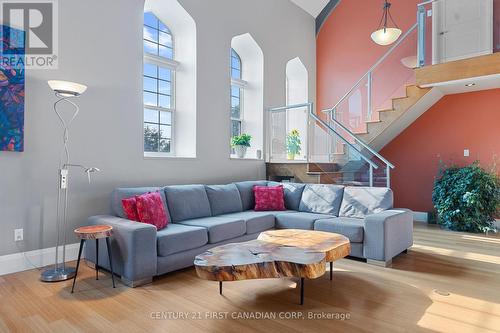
x: 344, y: 52
x: 457, y: 122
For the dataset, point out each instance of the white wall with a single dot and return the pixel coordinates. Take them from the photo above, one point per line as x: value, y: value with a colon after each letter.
x: 100, y: 44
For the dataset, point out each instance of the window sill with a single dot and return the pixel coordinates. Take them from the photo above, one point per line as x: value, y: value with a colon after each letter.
x: 156, y: 156
x: 286, y: 161
x: 245, y: 158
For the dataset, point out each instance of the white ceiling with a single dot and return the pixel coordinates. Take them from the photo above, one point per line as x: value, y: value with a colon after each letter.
x: 313, y: 7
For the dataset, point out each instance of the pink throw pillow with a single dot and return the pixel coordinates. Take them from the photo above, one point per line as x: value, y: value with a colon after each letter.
x: 269, y: 198
x: 150, y: 210
x: 130, y: 209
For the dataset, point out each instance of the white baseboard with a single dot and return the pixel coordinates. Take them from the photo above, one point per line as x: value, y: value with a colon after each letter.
x: 421, y: 217
x: 22, y: 261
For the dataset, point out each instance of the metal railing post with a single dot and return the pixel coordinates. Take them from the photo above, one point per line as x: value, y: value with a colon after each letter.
x: 388, y: 176
x: 421, y: 16
x: 369, y: 97
x: 371, y: 176
x: 334, y: 141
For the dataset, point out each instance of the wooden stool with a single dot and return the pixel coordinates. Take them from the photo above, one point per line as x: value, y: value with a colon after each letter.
x: 94, y: 232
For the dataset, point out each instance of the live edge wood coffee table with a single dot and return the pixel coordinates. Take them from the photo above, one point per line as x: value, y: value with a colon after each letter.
x: 274, y: 254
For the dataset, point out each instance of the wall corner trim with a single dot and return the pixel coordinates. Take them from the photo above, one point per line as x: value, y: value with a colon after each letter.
x: 323, y: 15
x: 22, y: 261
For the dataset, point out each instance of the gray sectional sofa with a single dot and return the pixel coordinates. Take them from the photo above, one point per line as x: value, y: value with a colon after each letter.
x: 204, y: 216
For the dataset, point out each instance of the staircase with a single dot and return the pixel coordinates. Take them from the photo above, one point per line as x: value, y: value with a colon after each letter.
x: 347, y: 137
x: 354, y: 173
x: 386, y: 117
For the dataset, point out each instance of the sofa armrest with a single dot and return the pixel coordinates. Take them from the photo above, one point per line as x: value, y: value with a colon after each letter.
x: 133, y: 247
x: 387, y: 234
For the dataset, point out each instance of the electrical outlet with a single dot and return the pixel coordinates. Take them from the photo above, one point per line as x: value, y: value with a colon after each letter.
x: 18, y: 235
x: 429, y: 13
x: 466, y: 153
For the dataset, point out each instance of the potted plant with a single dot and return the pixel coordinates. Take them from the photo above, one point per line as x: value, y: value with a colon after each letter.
x: 467, y: 198
x: 240, y: 143
x: 293, y: 144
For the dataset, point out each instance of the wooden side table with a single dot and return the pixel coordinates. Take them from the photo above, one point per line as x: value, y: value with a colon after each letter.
x: 89, y: 233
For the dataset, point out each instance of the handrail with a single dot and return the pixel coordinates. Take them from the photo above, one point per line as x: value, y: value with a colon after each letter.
x: 294, y: 106
x: 322, y: 122
x: 406, y: 34
x: 426, y: 3
x: 361, y: 142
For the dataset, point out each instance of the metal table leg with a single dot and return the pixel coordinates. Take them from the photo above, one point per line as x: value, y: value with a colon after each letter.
x: 97, y: 259
x: 301, y: 291
x: 77, y: 264
x: 220, y: 287
x: 110, y: 261
x: 331, y: 270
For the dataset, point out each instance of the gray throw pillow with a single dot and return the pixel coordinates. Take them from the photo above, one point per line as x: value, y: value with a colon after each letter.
x: 321, y: 199
x: 362, y: 201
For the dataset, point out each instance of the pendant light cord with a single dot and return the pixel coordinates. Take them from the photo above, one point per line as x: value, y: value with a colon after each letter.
x: 385, y: 15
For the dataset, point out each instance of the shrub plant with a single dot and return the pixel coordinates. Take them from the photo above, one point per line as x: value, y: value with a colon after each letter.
x: 467, y: 198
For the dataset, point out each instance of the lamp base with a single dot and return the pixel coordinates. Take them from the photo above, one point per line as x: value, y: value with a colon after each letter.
x: 58, y: 274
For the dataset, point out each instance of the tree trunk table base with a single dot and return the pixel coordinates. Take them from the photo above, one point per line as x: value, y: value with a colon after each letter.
x: 274, y: 254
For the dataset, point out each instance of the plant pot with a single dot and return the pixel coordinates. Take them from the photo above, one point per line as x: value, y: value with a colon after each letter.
x: 241, y: 151
x: 291, y: 156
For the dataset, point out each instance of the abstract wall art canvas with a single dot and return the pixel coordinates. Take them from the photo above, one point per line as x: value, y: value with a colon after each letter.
x: 12, y: 90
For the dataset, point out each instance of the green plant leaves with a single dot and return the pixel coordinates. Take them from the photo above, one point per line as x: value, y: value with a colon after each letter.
x: 467, y: 198
x: 241, y: 140
x: 293, y: 142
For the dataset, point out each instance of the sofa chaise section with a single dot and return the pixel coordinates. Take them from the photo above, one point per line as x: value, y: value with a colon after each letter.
x: 377, y: 232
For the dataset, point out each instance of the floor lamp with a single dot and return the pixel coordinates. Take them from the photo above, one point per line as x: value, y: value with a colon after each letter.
x: 64, y: 91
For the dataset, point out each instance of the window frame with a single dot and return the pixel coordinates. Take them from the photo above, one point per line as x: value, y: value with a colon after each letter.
x: 241, y: 85
x: 171, y: 65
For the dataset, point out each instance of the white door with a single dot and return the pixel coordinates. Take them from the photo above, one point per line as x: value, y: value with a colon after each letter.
x: 461, y: 29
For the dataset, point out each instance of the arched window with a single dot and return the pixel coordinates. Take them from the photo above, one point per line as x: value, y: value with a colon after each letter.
x: 247, y: 92
x: 237, y: 87
x: 159, y: 83
x: 297, y: 93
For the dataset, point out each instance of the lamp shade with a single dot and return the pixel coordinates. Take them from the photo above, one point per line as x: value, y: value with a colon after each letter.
x: 66, y: 88
x: 386, y: 36
x: 410, y: 62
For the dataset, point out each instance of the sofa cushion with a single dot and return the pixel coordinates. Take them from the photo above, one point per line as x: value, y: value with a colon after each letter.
x: 256, y: 221
x: 269, y: 198
x: 219, y: 228
x: 150, y: 210
x: 128, y: 192
x: 178, y: 238
x: 298, y: 220
x: 321, y: 199
x: 187, y: 202
x: 362, y: 201
x: 352, y: 228
x: 293, y: 193
x: 224, y: 199
x: 246, y: 192
x: 129, y: 206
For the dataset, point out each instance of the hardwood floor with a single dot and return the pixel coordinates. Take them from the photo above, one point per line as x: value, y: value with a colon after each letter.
x: 448, y: 282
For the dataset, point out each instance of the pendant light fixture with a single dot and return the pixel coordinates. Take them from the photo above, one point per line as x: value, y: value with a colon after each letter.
x: 384, y: 34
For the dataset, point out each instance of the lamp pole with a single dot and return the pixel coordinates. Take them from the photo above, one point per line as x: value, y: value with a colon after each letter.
x: 64, y: 91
